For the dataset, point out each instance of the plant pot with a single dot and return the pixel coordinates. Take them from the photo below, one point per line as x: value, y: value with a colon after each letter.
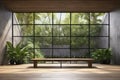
x: 19, y: 62
x: 12, y: 61
x: 105, y: 62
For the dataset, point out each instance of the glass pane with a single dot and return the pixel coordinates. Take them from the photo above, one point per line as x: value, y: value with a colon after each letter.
x: 61, y: 53
x: 61, y: 42
x: 79, y: 42
x: 78, y: 53
x: 79, y: 30
x: 43, y: 30
x: 106, y: 19
x: 30, y: 56
x: 17, y: 30
x: 43, y: 42
x: 61, y: 30
x: 23, y: 30
x: 38, y: 53
x: 98, y: 30
x: 16, y: 40
x: 23, y: 18
x: 103, y: 42
x: 61, y: 18
x: 43, y: 18
x: 96, y: 18
x: 47, y: 53
x: 24, y: 41
x: 80, y: 18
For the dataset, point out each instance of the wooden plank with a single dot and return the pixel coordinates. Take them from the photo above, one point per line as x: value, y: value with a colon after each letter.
x: 25, y: 72
x: 62, y: 59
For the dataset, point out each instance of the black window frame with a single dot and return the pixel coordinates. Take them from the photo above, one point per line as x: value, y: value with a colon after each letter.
x: 52, y: 48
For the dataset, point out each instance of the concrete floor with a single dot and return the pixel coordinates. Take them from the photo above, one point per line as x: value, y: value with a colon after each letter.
x: 53, y: 72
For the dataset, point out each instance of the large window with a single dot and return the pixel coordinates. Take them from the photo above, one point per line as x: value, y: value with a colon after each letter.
x: 63, y: 34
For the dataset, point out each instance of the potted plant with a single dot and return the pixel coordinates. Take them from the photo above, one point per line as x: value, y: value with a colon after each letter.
x: 21, y: 54
x: 16, y: 54
x: 10, y: 53
x: 102, y: 56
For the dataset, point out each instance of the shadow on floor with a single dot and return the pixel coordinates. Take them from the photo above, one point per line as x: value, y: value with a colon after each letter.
x: 64, y: 67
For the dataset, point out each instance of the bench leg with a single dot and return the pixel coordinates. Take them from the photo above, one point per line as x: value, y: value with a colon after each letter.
x: 60, y: 64
x: 89, y: 64
x: 35, y: 64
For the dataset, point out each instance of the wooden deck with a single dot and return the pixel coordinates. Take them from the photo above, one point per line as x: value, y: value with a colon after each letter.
x: 26, y: 72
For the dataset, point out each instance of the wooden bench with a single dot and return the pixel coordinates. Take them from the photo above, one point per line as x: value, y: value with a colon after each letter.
x: 88, y: 60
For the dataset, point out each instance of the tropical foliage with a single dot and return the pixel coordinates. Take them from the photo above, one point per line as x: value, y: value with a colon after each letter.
x: 102, y: 55
x: 16, y: 53
x: 19, y: 53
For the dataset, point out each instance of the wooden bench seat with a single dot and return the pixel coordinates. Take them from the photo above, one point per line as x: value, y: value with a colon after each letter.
x: 88, y: 60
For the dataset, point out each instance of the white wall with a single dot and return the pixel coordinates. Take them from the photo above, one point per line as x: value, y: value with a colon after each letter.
x: 6, y: 32
x: 115, y: 35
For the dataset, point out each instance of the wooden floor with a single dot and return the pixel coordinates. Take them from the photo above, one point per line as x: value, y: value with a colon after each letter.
x: 53, y: 72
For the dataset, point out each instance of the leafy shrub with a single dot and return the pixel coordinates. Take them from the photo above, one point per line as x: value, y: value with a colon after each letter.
x: 102, y: 55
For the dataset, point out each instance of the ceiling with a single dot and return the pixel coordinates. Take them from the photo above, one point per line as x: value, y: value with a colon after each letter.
x: 61, y: 5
